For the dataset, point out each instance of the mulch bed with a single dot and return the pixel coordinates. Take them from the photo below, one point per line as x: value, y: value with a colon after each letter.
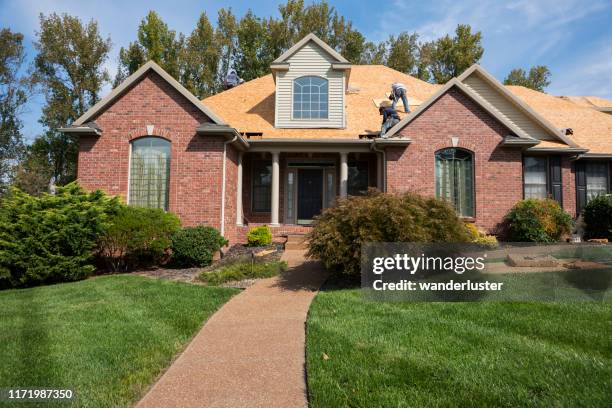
x: 236, y: 253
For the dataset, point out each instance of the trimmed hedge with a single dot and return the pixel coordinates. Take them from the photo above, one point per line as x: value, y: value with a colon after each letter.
x: 51, y: 238
x: 598, y: 217
x: 137, y: 237
x: 535, y: 220
x: 195, y: 246
x: 260, y: 236
x: 339, y: 231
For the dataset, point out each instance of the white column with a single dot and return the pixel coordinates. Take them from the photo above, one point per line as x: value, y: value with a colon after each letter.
x: 275, y: 189
x: 239, y: 191
x: 343, y: 174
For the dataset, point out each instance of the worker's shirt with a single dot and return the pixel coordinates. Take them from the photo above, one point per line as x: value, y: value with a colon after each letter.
x: 389, y: 112
x: 398, y: 85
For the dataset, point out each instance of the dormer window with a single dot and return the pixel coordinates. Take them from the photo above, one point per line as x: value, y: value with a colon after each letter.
x: 310, y: 98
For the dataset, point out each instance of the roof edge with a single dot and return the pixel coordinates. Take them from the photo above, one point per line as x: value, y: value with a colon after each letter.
x: 118, y: 91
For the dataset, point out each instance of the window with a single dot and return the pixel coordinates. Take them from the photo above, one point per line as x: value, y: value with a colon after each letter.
x: 542, y: 177
x: 310, y: 98
x: 535, y: 177
x: 357, y: 178
x: 454, y: 179
x: 150, y: 172
x: 262, y: 182
x: 592, y: 179
x: 596, y: 180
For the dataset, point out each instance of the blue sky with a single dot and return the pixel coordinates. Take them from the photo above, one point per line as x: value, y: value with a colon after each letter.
x: 572, y: 37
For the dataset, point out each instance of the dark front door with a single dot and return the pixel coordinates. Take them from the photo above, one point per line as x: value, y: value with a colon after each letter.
x: 310, y: 193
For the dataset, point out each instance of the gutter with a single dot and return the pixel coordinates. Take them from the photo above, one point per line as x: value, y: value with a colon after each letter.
x: 222, y: 224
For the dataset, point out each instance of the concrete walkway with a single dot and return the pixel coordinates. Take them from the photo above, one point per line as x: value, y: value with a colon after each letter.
x: 251, y: 352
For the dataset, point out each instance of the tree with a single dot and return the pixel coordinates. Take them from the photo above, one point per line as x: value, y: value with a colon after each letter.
x: 155, y: 42
x: 200, y: 59
x: 403, y: 52
x: 374, y: 54
x: 70, y: 70
x: 225, y: 38
x: 13, y: 96
x: 450, y: 56
x: 537, y: 79
x: 252, y: 59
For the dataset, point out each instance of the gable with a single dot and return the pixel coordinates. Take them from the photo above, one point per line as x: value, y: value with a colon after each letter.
x: 505, y: 108
x: 309, y: 40
x: 129, y: 82
x: 525, y: 124
x: 310, y: 60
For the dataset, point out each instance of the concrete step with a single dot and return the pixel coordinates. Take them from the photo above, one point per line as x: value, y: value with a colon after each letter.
x: 296, y: 241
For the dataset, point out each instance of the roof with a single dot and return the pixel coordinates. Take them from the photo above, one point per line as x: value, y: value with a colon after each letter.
x: 589, y: 101
x: 250, y: 107
x: 591, y: 129
x: 129, y: 81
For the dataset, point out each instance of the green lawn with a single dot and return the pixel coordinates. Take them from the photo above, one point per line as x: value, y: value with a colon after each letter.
x: 107, y: 338
x: 374, y: 354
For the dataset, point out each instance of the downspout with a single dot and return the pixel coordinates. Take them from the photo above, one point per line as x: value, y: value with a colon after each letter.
x: 223, y: 184
x: 384, y: 165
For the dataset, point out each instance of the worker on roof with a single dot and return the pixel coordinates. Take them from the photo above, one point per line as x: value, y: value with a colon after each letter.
x: 399, y: 90
x: 390, y: 119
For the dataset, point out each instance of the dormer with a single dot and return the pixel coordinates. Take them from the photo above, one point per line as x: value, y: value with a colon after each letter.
x: 311, y: 78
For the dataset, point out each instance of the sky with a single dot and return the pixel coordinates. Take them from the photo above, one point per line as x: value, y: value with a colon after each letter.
x: 572, y: 37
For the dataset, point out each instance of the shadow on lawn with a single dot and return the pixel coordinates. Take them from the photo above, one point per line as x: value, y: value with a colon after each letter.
x: 34, y: 347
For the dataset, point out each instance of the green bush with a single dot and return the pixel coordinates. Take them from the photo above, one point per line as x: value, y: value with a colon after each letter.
x: 481, y: 238
x: 195, y: 246
x: 339, y: 231
x: 51, y: 238
x: 535, y: 220
x: 137, y: 237
x: 260, y: 236
x: 598, y: 217
x: 244, y: 270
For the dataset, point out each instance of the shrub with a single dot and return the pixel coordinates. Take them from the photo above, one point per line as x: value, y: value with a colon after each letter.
x: 481, y: 238
x: 195, y: 246
x: 51, y: 238
x: 535, y: 220
x: 137, y: 237
x: 244, y: 270
x: 598, y: 217
x: 260, y: 236
x: 339, y: 231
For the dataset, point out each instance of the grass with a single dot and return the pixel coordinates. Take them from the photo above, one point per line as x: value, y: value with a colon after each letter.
x: 243, y: 270
x: 106, y: 338
x: 375, y: 354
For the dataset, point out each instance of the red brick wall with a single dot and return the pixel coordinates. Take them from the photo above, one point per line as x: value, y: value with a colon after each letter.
x: 497, y: 170
x: 195, y: 164
x: 568, y: 180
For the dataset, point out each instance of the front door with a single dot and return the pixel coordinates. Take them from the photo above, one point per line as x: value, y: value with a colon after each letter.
x: 310, y: 194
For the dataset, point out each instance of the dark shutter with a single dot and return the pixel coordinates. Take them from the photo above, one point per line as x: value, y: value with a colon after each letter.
x: 556, y: 189
x: 581, y: 192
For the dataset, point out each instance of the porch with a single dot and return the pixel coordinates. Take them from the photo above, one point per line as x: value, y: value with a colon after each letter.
x: 287, y: 188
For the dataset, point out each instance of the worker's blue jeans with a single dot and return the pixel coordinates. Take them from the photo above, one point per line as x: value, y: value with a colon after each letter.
x: 391, y: 121
x: 401, y: 93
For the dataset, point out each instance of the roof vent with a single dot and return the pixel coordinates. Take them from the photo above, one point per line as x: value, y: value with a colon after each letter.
x: 352, y: 89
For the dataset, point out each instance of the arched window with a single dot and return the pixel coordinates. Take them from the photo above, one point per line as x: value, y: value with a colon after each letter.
x: 150, y: 172
x: 310, y: 98
x: 455, y: 179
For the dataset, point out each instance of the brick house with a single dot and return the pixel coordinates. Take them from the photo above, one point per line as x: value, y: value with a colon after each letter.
x: 279, y: 149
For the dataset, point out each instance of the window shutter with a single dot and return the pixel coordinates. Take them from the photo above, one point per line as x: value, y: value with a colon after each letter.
x: 556, y: 188
x: 581, y: 193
